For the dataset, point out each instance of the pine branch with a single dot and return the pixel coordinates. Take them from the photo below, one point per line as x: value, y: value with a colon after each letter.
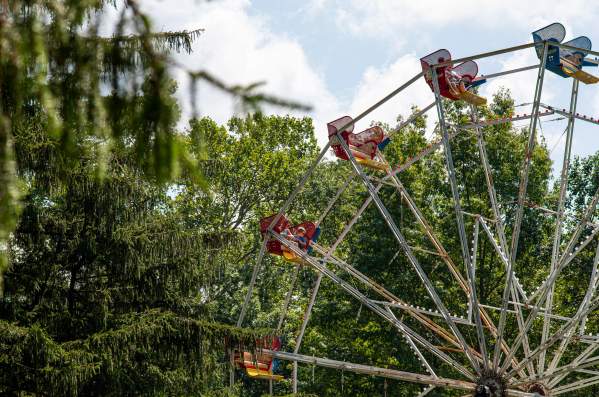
x: 247, y: 94
x: 162, y: 41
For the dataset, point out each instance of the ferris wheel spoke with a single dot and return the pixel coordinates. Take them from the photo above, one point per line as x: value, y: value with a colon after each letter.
x: 528, y: 155
x: 579, y: 362
x: 500, y: 227
x: 474, y: 305
x: 288, y: 297
x: 571, y: 250
x: 370, y: 370
x: 414, y: 348
x: 584, y: 309
x: 563, y: 331
x: 576, y: 385
x: 567, y: 258
x: 452, y: 179
x: 498, y: 216
x: 472, y: 296
x: 593, y: 284
x: 517, y: 306
x: 518, y: 220
x: 393, y: 300
x: 411, y: 257
x: 402, y: 327
x: 316, y: 287
x: 486, y: 319
x: 333, y: 201
x: 559, y: 216
x: 554, y: 376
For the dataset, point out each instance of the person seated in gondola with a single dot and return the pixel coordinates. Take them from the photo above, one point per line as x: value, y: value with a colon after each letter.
x: 575, y: 59
x: 454, y: 82
x: 565, y: 62
x: 302, y: 236
x: 363, y: 146
x: 302, y: 241
x: 299, y: 239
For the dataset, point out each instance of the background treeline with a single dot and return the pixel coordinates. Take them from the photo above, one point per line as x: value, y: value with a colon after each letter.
x: 127, y: 243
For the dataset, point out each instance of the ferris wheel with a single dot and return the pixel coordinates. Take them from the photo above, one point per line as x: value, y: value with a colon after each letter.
x: 547, y: 353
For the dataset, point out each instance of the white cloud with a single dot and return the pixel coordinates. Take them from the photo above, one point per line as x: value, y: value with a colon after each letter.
x: 381, y: 17
x: 378, y: 82
x: 522, y: 84
x: 316, y: 6
x: 241, y: 49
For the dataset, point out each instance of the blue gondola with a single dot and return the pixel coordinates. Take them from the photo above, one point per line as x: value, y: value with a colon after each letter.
x: 565, y: 62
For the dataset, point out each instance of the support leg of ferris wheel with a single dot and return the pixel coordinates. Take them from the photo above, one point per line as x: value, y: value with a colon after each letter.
x: 559, y: 217
x: 408, y: 251
x: 402, y: 327
x: 519, y: 213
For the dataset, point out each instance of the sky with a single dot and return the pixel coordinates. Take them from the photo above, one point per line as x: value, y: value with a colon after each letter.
x: 342, y: 56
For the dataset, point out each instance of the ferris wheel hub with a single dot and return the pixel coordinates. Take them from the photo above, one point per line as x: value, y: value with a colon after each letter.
x: 490, y: 385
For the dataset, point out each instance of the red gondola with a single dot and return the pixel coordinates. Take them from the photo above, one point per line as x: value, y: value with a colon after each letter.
x: 302, y: 235
x: 454, y: 82
x: 363, y: 145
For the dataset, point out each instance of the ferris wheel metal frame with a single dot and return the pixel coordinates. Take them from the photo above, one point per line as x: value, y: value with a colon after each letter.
x: 518, y: 368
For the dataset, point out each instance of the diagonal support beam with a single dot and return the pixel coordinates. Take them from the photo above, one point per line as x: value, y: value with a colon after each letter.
x: 458, y: 210
x: 563, y: 331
